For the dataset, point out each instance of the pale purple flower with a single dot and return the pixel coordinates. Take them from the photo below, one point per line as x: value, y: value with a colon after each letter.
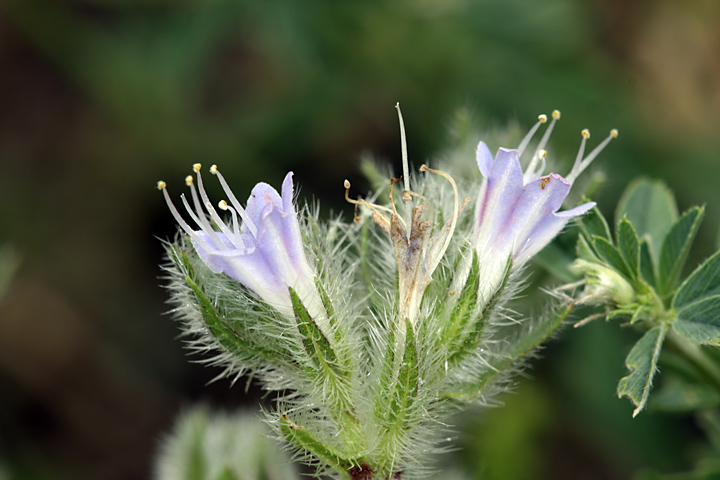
x: 517, y: 213
x: 264, y: 251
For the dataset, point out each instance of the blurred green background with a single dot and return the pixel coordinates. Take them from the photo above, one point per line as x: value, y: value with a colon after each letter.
x: 99, y: 99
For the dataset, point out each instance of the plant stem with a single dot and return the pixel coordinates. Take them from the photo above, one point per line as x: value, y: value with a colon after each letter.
x: 694, y: 354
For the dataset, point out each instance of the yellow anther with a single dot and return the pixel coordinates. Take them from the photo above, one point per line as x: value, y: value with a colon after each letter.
x: 585, y: 133
x: 161, y: 185
x: 614, y: 133
x: 542, y: 153
x: 196, y: 167
x: 556, y: 114
x: 222, y: 204
x: 189, y: 180
x: 542, y: 118
x: 346, y: 184
x: 213, y: 169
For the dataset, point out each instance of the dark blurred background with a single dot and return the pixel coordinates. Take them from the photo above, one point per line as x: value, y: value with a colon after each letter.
x: 99, y: 99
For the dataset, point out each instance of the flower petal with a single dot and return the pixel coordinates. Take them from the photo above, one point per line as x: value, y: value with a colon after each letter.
x: 484, y: 158
x: 499, y: 195
x: 249, y: 267
x: 538, y: 199
x: 547, y: 229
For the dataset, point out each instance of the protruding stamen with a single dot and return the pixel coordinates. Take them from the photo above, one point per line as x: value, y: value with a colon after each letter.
x: 526, y: 140
x: 202, y: 222
x: 199, y: 216
x: 356, y: 217
x: 546, y: 136
x: 532, y: 172
x: 575, y: 171
x: 581, y: 165
x: 238, y: 207
x: 209, y: 206
x: 375, y: 208
x: 403, y: 140
x: 196, y: 167
x: 162, y: 186
x: 236, y: 225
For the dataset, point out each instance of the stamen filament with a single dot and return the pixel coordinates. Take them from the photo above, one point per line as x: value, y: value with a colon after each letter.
x: 162, y: 186
x: 209, y: 206
x: 374, y: 207
x: 204, y: 226
x: 240, y: 210
x: 201, y: 217
x: 236, y: 225
x: 526, y: 140
x: 531, y: 173
x: 541, y: 148
x: 580, y: 167
x: 575, y: 171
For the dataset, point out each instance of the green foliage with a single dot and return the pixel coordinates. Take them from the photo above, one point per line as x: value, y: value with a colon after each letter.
x: 697, y: 303
x: 299, y: 436
x: 642, y: 362
x: 675, y: 249
x: 637, y: 277
x: 649, y: 206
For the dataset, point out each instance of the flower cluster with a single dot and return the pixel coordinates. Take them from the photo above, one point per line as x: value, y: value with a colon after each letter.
x: 264, y: 253
x: 371, y: 332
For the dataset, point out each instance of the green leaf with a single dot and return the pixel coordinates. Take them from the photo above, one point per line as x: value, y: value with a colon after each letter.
x: 629, y: 246
x: 675, y: 249
x: 300, y: 438
x: 700, y: 321
x: 647, y: 264
x: 610, y: 255
x: 472, y: 338
x: 642, y: 363
x: 531, y: 336
x: 316, y: 345
x: 465, y: 309
x: 584, y: 251
x: 594, y: 224
x: 650, y: 206
x: 697, y: 304
x: 225, y: 335
x: 407, y: 381
x: 703, y: 282
x: 386, y: 376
